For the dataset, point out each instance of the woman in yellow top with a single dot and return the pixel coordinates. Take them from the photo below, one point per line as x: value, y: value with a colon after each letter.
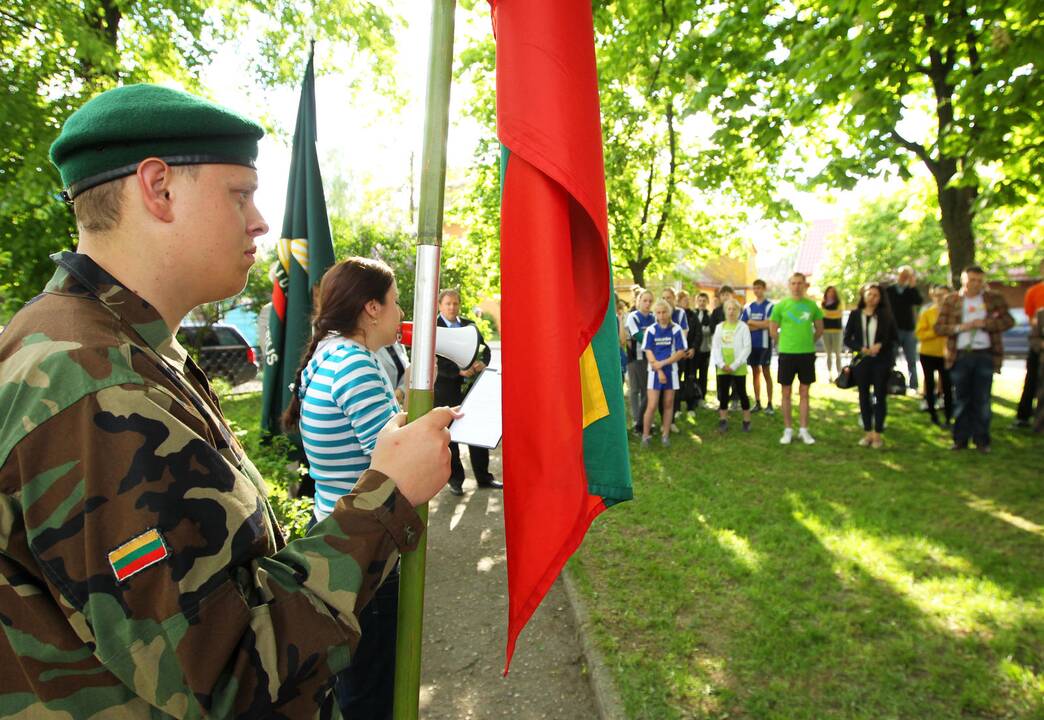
x: 933, y: 349
x: 833, y: 308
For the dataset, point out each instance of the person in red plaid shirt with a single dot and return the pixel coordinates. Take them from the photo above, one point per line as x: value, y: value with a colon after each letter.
x: 973, y: 321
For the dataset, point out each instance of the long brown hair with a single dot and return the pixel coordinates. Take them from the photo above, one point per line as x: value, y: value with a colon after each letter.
x: 343, y: 293
x: 835, y: 302
x: 884, y: 307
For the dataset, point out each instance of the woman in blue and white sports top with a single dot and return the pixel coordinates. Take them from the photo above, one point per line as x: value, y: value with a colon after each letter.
x: 342, y: 396
x: 342, y: 399
x: 663, y: 345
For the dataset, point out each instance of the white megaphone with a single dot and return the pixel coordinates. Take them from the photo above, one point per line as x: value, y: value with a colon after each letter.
x: 457, y: 344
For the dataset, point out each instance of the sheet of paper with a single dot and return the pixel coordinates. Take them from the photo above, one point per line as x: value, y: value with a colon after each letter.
x: 481, y: 424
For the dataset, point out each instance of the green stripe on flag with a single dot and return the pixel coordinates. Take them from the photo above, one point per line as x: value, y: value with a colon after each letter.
x: 505, y: 155
x: 606, y: 458
x: 140, y: 552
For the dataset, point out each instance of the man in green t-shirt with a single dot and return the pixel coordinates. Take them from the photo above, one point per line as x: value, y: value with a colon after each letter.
x: 796, y: 323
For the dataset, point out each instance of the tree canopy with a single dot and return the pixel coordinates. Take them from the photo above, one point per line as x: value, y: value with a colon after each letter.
x: 672, y: 194
x: 56, y: 55
x: 711, y: 111
x: 902, y: 227
x: 836, y: 91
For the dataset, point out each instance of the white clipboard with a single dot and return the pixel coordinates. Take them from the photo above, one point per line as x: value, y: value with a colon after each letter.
x: 482, y: 424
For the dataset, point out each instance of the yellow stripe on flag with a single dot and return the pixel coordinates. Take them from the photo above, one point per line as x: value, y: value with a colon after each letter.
x: 130, y: 546
x: 299, y: 249
x: 595, y: 406
x: 283, y: 251
x: 296, y: 248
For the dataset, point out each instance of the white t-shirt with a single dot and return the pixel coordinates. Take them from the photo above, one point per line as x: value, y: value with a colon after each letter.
x: 977, y: 339
x: 869, y: 329
x: 390, y: 368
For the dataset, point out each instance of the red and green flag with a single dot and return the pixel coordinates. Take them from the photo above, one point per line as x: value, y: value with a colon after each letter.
x: 565, y: 435
x: 305, y: 252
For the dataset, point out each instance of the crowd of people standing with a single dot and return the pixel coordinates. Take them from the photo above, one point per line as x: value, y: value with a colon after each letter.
x: 669, y: 345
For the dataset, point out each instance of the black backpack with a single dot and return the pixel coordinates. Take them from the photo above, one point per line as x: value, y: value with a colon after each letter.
x: 896, y: 383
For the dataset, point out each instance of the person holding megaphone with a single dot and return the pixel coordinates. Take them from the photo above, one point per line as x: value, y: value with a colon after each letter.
x: 449, y: 391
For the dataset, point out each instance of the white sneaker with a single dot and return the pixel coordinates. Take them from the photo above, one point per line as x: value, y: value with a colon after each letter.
x: 674, y: 428
x: 788, y: 436
x: 806, y: 436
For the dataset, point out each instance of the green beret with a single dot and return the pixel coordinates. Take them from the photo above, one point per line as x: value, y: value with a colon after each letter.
x: 114, y: 131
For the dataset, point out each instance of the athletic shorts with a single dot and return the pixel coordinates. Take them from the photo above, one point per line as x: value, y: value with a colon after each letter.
x: 802, y: 365
x: 760, y: 357
x: 671, y: 371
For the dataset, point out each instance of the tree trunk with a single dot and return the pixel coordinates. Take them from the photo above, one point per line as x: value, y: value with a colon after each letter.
x: 957, y: 214
x: 638, y: 269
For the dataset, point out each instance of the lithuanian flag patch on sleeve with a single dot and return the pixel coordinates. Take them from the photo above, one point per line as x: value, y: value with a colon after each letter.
x: 135, y: 555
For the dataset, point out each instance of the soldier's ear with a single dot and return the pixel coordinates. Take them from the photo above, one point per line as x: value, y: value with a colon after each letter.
x: 153, y: 180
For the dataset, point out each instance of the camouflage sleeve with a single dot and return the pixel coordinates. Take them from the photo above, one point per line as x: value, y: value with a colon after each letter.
x: 162, y: 555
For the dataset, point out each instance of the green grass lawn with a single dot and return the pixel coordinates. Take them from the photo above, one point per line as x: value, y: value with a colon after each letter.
x: 752, y: 580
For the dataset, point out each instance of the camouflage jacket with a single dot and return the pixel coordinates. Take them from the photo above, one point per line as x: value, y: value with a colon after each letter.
x: 142, y: 573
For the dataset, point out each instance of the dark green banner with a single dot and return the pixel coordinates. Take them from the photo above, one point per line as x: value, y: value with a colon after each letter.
x: 305, y: 253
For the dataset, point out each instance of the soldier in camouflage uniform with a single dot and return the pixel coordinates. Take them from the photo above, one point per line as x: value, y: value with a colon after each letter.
x: 142, y: 573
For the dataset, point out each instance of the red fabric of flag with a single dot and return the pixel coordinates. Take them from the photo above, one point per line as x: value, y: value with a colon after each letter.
x: 554, y: 283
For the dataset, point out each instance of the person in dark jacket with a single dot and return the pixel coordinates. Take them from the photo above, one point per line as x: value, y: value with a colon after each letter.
x: 903, y: 300
x: 724, y: 294
x: 871, y: 333
x: 703, y: 350
x: 449, y: 391
x: 688, y: 366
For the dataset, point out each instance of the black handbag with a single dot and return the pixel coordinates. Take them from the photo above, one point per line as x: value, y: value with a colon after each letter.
x: 896, y: 383
x: 846, y: 378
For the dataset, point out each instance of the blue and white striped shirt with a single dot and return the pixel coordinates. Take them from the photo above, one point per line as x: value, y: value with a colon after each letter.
x: 345, y: 400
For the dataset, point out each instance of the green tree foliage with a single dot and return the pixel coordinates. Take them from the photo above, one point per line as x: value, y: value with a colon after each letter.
x: 397, y: 248
x: 257, y: 292
x: 871, y: 87
x: 671, y: 196
x: 646, y: 157
x: 883, y: 234
x: 56, y: 55
x: 471, y: 259
x: 902, y: 228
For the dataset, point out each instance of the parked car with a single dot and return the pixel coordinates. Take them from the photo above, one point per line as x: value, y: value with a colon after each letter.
x: 223, y: 352
x: 1016, y: 339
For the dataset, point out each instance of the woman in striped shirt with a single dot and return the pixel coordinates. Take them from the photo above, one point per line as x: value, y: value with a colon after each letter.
x: 342, y: 399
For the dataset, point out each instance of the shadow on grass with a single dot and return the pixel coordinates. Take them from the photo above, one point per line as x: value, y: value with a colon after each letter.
x: 750, y: 580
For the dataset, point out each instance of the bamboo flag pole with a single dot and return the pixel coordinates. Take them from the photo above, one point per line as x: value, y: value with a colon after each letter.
x: 422, y: 382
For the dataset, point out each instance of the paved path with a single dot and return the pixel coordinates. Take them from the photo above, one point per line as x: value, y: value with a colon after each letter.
x: 465, y: 620
x: 465, y: 624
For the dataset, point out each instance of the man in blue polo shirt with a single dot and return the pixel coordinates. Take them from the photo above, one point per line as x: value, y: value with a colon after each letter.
x: 757, y: 315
